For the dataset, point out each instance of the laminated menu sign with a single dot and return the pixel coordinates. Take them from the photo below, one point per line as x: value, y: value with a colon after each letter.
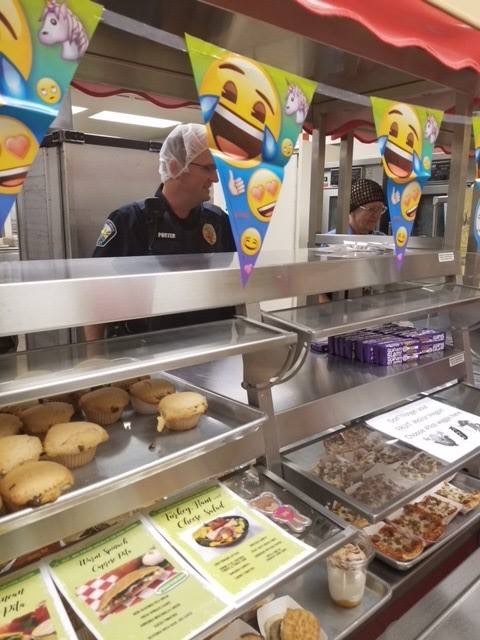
x: 30, y: 608
x: 443, y: 431
x: 132, y: 585
x: 227, y: 541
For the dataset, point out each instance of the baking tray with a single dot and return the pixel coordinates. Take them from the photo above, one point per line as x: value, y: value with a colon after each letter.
x: 311, y: 591
x: 298, y: 462
x: 452, y: 530
x: 135, y: 450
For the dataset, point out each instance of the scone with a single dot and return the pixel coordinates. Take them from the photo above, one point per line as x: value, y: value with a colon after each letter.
x: 18, y: 409
x: 181, y: 411
x: 74, y: 443
x: 34, y: 483
x: 38, y: 420
x: 10, y: 425
x: 15, y: 450
x: 146, y: 395
x: 104, y: 406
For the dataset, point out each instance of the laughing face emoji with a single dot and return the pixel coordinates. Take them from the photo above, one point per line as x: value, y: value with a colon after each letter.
x: 401, y: 139
x: 250, y: 241
x: 15, y: 40
x: 410, y: 199
x: 241, y: 109
x: 18, y: 148
x: 262, y: 194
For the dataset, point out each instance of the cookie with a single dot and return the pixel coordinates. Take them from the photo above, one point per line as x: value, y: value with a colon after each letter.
x: 38, y: 420
x: 104, y: 406
x: 299, y: 624
x: 15, y: 450
x: 34, y: 483
x: 181, y: 411
x: 10, y: 424
x: 146, y: 394
x: 74, y: 444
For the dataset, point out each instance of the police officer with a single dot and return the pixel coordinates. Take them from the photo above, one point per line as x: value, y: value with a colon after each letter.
x: 176, y: 221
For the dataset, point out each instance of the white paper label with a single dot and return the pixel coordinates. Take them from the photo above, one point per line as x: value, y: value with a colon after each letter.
x: 447, y: 256
x: 458, y: 359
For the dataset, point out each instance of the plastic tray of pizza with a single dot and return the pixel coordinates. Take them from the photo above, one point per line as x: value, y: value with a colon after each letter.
x: 453, y: 529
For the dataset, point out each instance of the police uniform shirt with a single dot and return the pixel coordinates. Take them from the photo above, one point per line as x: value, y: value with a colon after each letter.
x: 150, y: 227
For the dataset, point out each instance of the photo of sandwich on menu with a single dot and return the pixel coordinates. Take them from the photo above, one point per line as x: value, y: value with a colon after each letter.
x: 34, y: 625
x: 126, y: 585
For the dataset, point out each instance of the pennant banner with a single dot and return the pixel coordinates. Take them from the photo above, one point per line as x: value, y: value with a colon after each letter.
x: 41, y: 44
x: 254, y: 114
x: 406, y: 138
x: 476, y: 135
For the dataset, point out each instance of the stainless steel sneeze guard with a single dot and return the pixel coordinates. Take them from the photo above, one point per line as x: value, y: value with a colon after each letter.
x: 138, y: 462
x: 24, y: 376
x: 344, y: 316
x: 43, y: 295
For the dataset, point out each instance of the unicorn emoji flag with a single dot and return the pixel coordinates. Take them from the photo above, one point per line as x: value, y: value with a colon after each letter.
x: 41, y: 43
x: 406, y: 138
x: 254, y: 114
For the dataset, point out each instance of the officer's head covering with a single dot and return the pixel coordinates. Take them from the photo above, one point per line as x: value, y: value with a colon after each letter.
x: 365, y: 191
x: 182, y: 145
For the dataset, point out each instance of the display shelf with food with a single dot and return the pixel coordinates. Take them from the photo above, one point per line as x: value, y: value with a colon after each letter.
x: 133, y: 457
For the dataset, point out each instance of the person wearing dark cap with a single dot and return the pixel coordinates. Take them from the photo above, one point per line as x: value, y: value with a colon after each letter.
x: 367, y: 204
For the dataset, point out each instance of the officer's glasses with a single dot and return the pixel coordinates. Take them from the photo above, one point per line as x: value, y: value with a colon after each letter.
x: 207, y: 168
x: 377, y: 211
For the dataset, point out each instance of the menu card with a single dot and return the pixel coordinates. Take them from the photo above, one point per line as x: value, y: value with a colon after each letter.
x: 131, y: 584
x: 227, y: 541
x: 443, y: 431
x: 31, y: 608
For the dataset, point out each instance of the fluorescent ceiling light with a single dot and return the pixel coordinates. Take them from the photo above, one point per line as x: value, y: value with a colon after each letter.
x: 78, y: 109
x: 132, y: 118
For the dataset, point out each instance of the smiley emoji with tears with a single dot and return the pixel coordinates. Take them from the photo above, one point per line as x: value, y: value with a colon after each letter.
x: 400, y: 142
x: 18, y: 148
x: 262, y: 194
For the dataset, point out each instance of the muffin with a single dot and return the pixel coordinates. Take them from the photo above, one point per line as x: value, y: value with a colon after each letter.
x: 74, y: 444
x: 146, y: 395
x: 15, y: 450
x: 104, y: 406
x: 34, y: 483
x: 18, y: 409
x: 10, y: 425
x: 126, y: 384
x: 181, y: 411
x: 38, y: 420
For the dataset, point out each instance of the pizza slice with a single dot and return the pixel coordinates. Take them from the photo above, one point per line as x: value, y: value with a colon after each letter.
x: 336, y: 444
x: 426, y: 464
x: 396, y: 544
x: 410, y: 473
x: 442, y: 508
x: 390, y: 454
x: 468, y: 499
x: 418, y: 522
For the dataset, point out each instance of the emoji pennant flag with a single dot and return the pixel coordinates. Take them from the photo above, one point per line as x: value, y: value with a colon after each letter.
x: 254, y: 114
x: 406, y: 139
x: 476, y: 136
x: 41, y: 44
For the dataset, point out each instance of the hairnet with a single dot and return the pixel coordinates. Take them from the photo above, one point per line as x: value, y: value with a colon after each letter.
x: 182, y: 145
x: 365, y: 191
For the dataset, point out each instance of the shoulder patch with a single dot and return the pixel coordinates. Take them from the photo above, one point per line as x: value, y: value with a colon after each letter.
x: 108, y: 232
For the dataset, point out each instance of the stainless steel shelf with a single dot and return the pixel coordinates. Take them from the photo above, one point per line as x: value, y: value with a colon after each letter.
x: 329, y: 390
x: 344, y: 316
x: 26, y: 376
x: 138, y: 466
x: 43, y: 295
